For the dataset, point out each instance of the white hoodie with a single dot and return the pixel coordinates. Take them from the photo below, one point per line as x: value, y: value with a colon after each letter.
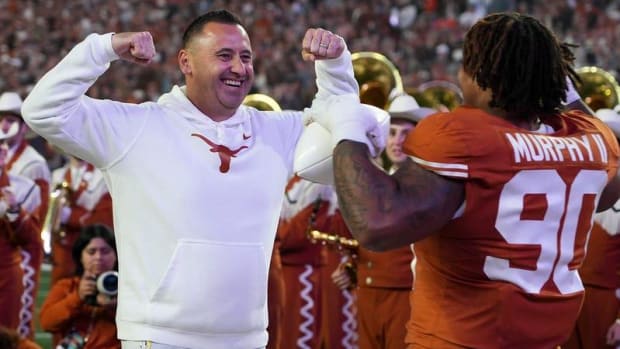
x: 194, y: 231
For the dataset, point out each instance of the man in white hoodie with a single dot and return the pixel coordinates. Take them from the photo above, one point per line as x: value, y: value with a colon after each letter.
x: 196, y: 178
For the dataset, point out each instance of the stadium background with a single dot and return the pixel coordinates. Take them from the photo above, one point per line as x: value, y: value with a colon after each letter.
x: 422, y: 38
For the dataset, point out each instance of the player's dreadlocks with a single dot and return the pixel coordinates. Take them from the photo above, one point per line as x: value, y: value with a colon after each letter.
x: 521, y: 61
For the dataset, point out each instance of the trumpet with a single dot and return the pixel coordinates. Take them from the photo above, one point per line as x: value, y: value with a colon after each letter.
x: 347, y: 247
x: 51, y: 228
x: 340, y: 242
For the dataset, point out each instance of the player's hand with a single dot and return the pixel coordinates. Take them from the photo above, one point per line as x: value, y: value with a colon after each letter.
x: 136, y: 47
x: 319, y: 43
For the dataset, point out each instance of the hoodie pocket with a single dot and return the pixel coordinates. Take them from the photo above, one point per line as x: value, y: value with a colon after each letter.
x: 212, y: 287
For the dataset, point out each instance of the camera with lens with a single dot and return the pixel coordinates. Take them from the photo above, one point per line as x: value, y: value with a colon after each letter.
x: 107, y: 283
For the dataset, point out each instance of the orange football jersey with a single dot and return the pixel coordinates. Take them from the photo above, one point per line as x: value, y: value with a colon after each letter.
x: 503, y: 272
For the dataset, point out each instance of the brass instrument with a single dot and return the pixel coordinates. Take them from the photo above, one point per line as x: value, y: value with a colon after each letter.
x: 342, y: 243
x: 51, y: 228
x: 377, y: 77
x: 333, y: 240
x: 261, y: 102
x: 598, y: 88
x: 438, y: 94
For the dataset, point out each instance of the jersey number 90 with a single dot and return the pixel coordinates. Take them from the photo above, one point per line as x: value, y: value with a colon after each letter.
x: 555, y: 233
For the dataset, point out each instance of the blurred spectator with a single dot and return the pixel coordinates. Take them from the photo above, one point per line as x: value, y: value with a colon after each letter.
x: 412, y: 33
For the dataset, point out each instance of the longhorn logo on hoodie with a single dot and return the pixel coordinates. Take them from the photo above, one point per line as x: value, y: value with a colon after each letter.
x: 223, y: 151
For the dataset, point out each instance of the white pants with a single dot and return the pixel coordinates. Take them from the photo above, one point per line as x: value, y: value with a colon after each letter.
x: 150, y: 345
x: 147, y: 345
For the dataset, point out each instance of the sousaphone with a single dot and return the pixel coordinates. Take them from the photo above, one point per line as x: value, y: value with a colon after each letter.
x: 377, y: 77
x: 598, y: 88
x: 261, y: 102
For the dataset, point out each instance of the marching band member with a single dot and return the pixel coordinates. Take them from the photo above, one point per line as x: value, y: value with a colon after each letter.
x: 384, y: 279
x: 306, y: 206
x: 598, y: 325
x: 87, y: 201
x: 20, y: 200
x: 23, y: 160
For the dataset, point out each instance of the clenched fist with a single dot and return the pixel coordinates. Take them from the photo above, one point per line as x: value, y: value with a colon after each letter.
x: 137, y: 47
x: 319, y: 43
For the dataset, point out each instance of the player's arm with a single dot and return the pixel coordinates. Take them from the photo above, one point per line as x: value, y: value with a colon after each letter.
x: 384, y: 212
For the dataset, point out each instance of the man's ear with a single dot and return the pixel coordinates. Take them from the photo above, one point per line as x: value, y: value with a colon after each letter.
x: 184, y: 64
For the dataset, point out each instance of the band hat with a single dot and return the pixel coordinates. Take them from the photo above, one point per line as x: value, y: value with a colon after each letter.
x: 611, y: 118
x: 404, y: 106
x: 10, y: 102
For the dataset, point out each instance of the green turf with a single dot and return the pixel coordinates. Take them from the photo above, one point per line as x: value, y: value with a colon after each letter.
x: 44, y: 339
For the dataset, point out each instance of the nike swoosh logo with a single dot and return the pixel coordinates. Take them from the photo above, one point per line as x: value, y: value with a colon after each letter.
x: 245, y: 138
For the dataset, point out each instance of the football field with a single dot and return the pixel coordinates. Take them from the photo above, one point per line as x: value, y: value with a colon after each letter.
x: 44, y: 339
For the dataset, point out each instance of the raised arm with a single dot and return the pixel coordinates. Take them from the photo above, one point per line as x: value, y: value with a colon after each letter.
x: 58, y: 109
x: 384, y: 212
x: 333, y: 65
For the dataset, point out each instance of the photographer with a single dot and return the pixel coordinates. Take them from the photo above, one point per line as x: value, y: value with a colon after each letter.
x: 77, y: 310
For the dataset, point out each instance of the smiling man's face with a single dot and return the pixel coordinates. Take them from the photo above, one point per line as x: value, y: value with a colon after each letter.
x: 218, y: 68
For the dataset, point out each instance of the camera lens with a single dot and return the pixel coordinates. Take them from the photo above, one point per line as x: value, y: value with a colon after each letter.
x: 107, y: 283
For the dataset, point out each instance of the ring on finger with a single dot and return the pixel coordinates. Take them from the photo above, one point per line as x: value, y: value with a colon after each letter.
x: 323, y: 45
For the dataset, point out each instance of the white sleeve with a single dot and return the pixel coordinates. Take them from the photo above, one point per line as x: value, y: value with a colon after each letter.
x: 98, y: 131
x: 334, y: 78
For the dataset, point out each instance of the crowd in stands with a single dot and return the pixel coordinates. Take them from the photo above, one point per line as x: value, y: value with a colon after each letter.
x: 422, y: 37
